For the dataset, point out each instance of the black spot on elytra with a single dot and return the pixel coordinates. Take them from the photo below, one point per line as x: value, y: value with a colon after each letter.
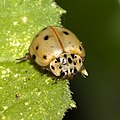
x: 44, y: 56
x: 34, y: 57
x: 79, y: 60
x: 52, y: 67
x: 69, y: 60
x: 80, y: 48
x: 37, y: 47
x: 66, y: 33
x: 46, y: 37
x: 58, y: 59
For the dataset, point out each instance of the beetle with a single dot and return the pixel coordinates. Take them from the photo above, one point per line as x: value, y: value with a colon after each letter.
x: 58, y: 50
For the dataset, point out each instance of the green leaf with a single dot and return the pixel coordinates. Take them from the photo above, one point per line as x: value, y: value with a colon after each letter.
x: 26, y: 92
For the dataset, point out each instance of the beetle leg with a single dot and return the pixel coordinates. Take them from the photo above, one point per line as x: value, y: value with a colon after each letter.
x: 25, y: 58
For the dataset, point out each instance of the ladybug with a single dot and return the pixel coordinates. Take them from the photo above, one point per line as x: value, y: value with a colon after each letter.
x: 58, y: 50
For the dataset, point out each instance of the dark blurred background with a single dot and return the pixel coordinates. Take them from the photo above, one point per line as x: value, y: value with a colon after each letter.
x: 97, y: 25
